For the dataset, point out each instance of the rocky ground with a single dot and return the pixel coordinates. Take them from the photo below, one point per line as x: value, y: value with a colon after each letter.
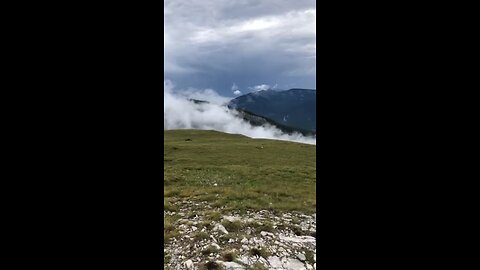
x: 199, y: 236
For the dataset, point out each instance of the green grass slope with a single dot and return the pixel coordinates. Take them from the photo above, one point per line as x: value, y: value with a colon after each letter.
x: 234, y: 172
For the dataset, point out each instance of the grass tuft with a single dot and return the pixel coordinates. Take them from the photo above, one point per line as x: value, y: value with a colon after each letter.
x: 262, y: 252
x: 199, y: 236
x: 229, y: 256
x: 211, y: 266
x: 232, y: 226
x: 209, y: 249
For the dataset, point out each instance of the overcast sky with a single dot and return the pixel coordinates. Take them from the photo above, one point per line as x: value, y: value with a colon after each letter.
x: 240, y: 45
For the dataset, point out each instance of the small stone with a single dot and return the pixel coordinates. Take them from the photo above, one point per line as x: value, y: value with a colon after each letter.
x: 213, y: 238
x: 264, y: 234
x: 275, y: 262
x: 189, y: 264
x: 233, y: 266
x: 221, y: 228
x: 301, y: 257
x: 231, y: 218
x: 294, y: 264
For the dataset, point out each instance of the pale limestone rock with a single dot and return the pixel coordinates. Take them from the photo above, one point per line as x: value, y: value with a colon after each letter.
x: 294, y: 264
x: 275, y: 262
x: 264, y: 234
x: 233, y: 266
x: 301, y: 257
x: 189, y: 264
x: 213, y: 238
x: 221, y: 228
x: 231, y: 218
x: 298, y: 239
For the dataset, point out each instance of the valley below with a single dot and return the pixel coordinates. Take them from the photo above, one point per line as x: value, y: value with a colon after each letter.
x: 232, y: 202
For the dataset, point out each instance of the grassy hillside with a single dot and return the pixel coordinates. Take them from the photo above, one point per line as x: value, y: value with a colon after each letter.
x: 233, y: 172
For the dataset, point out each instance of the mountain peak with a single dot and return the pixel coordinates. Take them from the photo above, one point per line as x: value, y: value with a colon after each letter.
x: 298, y: 104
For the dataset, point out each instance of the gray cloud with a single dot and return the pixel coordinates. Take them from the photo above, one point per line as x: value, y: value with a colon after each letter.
x: 214, y: 43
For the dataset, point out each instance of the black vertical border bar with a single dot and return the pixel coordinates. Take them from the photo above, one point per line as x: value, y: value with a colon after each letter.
x: 163, y: 139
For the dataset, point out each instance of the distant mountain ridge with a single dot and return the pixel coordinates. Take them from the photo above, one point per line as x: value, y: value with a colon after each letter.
x: 294, y: 108
x: 257, y: 120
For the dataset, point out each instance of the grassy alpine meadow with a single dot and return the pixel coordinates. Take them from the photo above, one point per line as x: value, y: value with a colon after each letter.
x: 237, y: 173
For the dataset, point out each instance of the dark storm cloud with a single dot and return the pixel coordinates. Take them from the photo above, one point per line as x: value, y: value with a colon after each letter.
x: 216, y: 43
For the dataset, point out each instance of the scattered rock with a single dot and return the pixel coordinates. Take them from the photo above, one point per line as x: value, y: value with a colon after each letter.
x: 275, y: 262
x: 294, y: 264
x: 231, y: 218
x: 189, y: 264
x: 233, y: 266
x: 264, y: 234
x: 280, y: 248
x: 301, y: 257
x: 221, y: 228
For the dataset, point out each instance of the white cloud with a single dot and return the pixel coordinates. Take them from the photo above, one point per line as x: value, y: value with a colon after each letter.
x: 235, y: 89
x: 260, y: 87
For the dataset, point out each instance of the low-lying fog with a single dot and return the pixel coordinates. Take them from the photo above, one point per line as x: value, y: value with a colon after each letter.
x: 180, y: 113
